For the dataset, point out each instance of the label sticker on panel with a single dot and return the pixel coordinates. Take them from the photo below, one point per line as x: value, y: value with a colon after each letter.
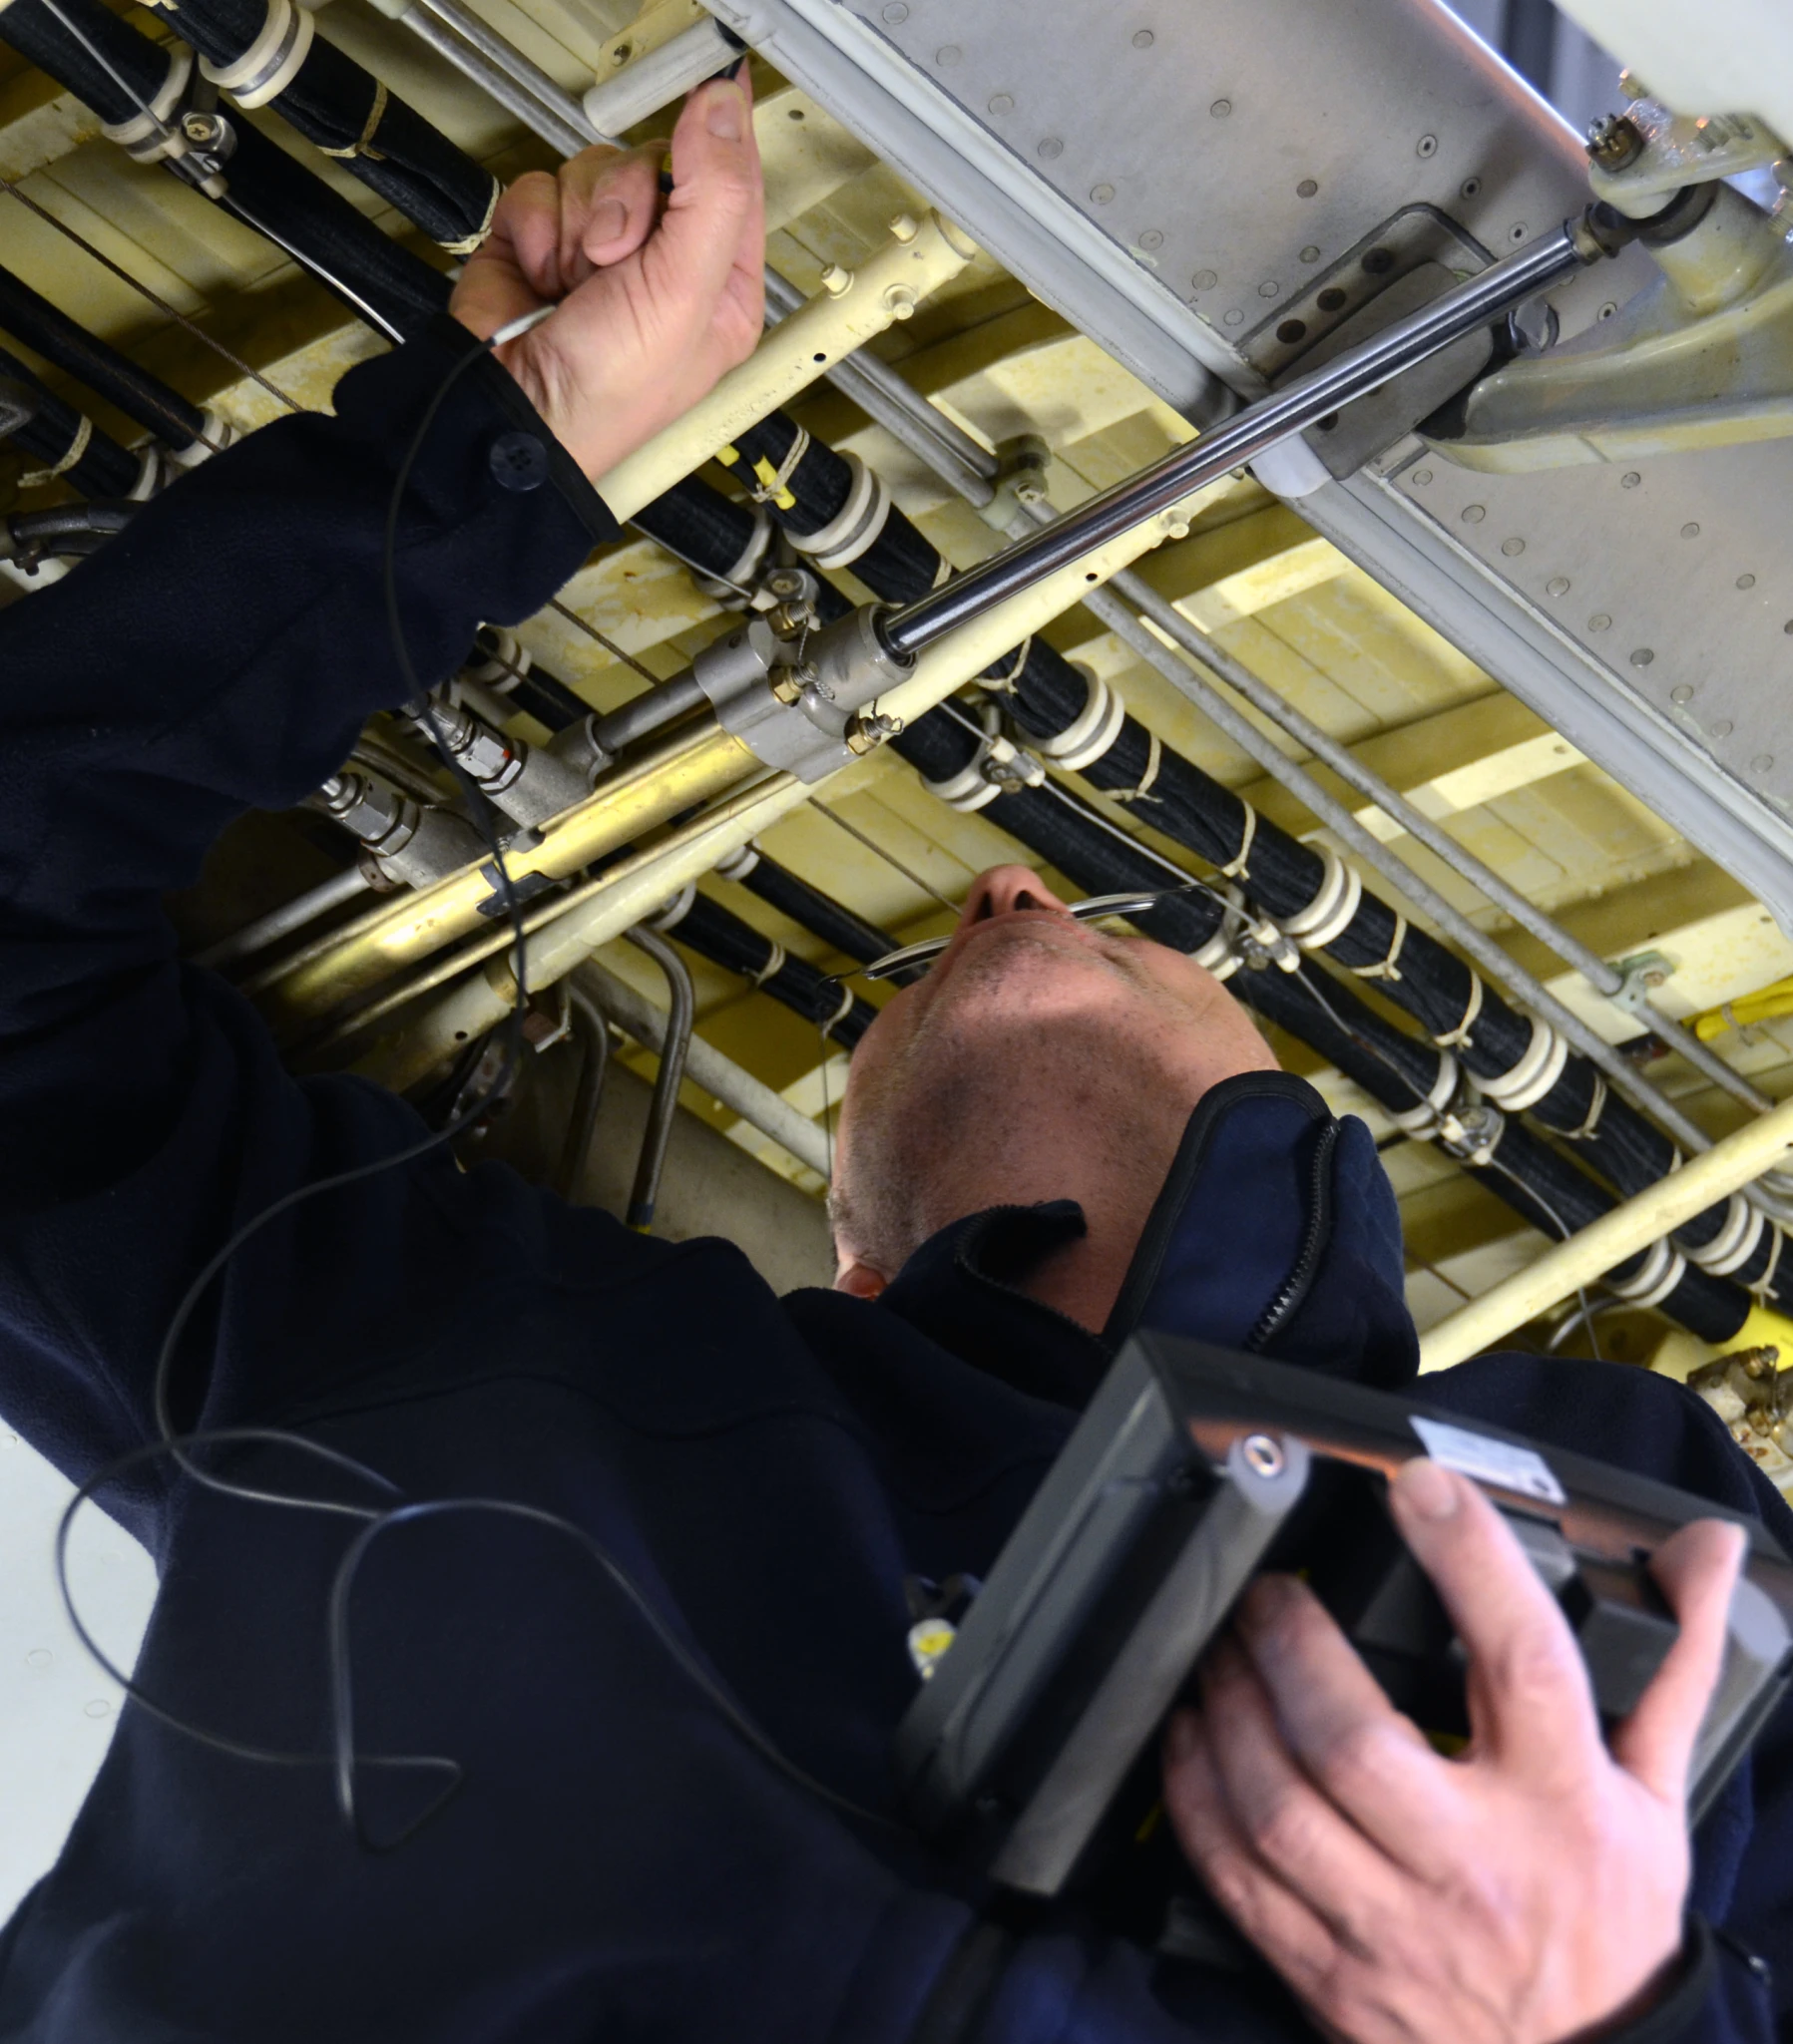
x: 1489, y: 1462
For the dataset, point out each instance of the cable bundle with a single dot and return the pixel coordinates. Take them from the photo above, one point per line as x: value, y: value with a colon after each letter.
x: 68, y: 443
x: 117, y: 70
x: 263, y: 53
x: 1082, y: 725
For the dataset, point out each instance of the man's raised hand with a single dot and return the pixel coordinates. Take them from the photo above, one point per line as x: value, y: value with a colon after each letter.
x: 1527, y: 1891
x: 659, y: 295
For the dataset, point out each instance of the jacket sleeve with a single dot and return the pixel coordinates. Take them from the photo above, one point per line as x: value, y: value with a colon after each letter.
x: 223, y: 652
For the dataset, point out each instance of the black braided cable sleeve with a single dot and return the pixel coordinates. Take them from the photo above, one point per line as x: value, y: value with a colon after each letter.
x: 285, y: 198
x: 1048, y: 694
x: 30, y: 317
x: 104, y: 469
x: 717, y: 934
x: 342, y: 108
x: 1538, y: 1182
x: 821, y: 913
x: 544, y: 696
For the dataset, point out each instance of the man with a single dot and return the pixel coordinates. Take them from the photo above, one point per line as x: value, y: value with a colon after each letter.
x: 637, y: 1784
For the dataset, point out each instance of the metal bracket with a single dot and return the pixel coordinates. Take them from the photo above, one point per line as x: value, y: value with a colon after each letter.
x: 1641, y: 975
x: 802, y: 716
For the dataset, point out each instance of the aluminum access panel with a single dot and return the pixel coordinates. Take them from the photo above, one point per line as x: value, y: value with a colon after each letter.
x: 1187, y: 181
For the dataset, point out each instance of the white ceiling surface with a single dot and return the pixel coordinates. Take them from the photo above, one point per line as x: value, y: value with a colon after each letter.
x: 1721, y: 57
x: 57, y: 1710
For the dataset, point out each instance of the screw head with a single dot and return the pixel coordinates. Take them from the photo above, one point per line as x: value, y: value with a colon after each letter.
x: 1264, y: 1455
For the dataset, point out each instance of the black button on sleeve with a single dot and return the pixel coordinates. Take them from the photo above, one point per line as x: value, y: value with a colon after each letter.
x: 518, y: 461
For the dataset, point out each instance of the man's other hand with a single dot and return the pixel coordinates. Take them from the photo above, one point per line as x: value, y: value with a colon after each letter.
x: 659, y: 294
x: 1526, y: 1891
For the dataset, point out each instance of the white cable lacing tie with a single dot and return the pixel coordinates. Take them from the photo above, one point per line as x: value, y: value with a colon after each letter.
x: 1458, y: 1039
x: 1153, y: 758
x: 778, y: 484
x: 1591, y: 1120
x: 841, y: 1013
x: 76, y: 449
x: 1238, y: 866
x: 1385, y: 968
x: 775, y: 961
x: 1003, y: 684
x: 363, y: 146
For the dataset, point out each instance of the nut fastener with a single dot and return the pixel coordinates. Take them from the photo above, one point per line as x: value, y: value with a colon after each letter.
x: 1614, y: 142
x: 1264, y: 1455
x: 899, y: 301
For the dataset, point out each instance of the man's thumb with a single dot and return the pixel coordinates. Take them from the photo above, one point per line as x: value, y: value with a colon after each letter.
x: 716, y: 185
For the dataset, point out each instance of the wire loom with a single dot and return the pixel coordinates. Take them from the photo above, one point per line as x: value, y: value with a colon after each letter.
x: 1399, y: 1073
x: 1516, y: 1060
x: 845, y: 515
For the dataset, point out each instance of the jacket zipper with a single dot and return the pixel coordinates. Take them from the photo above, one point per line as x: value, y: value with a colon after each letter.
x: 1294, y: 1286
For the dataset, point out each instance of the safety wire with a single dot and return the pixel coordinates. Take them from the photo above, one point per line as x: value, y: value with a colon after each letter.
x: 343, y: 1759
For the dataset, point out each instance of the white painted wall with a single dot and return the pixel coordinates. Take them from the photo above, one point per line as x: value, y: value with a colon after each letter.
x: 57, y: 1710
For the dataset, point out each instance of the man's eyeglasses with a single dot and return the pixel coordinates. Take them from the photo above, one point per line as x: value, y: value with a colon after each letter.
x: 1090, y: 911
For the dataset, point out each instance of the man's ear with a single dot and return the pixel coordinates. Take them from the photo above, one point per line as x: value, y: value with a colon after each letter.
x: 860, y: 1281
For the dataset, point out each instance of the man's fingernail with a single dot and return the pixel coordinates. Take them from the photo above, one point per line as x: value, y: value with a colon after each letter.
x: 609, y: 217
x: 1426, y: 1490
x: 728, y: 111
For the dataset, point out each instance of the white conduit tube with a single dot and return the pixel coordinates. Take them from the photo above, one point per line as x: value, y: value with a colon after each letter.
x: 644, y: 882
x: 657, y: 78
x: 1564, y: 1269
x: 706, y: 1068
x: 918, y: 258
x: 1530, y: 991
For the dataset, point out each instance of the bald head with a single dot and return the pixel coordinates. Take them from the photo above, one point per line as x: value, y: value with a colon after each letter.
x: 1040, y: 1058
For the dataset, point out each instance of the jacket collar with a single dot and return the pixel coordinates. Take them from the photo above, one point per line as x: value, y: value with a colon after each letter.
x: 1276, y: 1231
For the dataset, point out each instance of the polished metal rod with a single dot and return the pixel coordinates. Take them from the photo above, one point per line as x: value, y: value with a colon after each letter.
x: 1354, y: 375
x: 506, y: 57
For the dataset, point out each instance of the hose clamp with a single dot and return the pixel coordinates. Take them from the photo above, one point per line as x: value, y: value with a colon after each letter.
x: 1090, y: 733
x: 1332, y: 908
x: 1527, y: 1082
x: 1664, y: 1268
x: 272, y: 62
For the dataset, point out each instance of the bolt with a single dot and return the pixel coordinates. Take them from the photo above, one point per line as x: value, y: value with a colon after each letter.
x: 838, y: 280
x: 1614, y: 142
x: 1263, y: 1455
x: 866, y: 732
x: 899, y: 301
x: 903, y: 229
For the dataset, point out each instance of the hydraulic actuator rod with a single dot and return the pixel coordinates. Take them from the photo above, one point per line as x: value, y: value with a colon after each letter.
x: 1259, y: 427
